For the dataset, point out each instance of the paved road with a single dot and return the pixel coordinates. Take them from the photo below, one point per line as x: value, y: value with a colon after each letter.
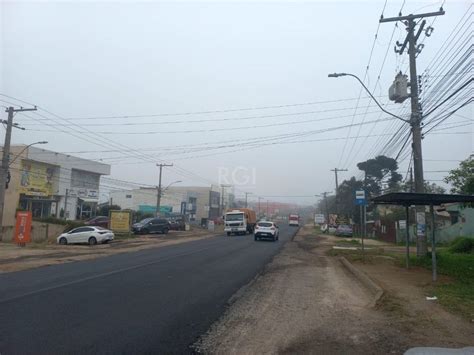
x: 153, y: 301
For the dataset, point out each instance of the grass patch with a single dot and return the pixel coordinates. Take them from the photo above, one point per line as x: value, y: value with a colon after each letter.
x: 458, y: 295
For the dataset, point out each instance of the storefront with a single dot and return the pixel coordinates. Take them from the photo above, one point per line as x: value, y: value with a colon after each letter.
x: 38, y: 183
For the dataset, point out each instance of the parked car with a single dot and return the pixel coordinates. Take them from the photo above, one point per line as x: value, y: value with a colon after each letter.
x: 266, y: 229
x: 344, y: 230
x: 99, y: 221
x: 177, y: 223
x: 87, y: 234
x: 151, y: 225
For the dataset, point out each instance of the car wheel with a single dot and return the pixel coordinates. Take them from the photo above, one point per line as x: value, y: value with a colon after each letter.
x: 273, y: 238
x: 228, y: 234
x: 165, y: 231
x: 255, y: 238
x: 144, y: 231
x: 105, y: 241
x: 63, y: 241
x: 92, y: 241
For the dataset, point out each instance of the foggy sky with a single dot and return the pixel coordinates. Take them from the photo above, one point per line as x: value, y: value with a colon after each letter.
x: 121, y: 58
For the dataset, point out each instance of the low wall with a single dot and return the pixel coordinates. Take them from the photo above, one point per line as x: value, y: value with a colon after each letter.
x: 40, y: 232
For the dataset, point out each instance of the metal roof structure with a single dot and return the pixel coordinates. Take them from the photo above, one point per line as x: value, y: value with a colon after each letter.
x: 408, y: 199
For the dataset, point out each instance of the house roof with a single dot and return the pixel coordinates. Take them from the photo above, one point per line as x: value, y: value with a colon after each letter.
x: 408, y: 199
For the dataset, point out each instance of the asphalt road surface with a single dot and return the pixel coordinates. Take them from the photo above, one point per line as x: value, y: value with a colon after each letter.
x: 152, y: 301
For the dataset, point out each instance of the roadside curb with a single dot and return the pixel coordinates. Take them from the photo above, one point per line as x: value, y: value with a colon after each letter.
x: 365, y: 280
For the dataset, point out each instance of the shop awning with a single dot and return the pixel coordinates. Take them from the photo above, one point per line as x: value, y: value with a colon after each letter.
x: 89, y: 200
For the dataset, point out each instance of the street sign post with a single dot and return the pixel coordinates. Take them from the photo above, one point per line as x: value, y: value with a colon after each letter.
x: 361, y: 201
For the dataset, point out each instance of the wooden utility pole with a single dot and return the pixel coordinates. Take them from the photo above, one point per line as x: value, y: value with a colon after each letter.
x: 416, y: 112
x: 6, y: 157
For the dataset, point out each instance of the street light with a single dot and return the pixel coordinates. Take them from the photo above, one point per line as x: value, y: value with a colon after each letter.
x: 174, y: 182
x: 337, y: 75
x: 29, y: 145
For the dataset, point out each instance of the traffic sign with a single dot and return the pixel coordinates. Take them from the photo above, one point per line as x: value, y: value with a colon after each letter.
x: 360, y: 198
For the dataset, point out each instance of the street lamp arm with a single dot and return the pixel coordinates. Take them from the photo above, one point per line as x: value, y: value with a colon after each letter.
x: 29, y: 145
x: 336, y: 75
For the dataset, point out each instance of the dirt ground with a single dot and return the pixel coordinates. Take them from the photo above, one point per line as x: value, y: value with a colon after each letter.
x: 14, y: 258
x: 306, y: 302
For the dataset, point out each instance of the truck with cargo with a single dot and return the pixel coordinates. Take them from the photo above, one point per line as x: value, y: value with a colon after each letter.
x: 240, y: 221
x: 294, y: 220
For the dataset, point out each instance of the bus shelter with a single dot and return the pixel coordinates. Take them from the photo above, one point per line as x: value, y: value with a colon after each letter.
x: 421, y: 199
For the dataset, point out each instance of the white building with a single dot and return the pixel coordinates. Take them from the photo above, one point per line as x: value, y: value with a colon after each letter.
x: 199, y: 203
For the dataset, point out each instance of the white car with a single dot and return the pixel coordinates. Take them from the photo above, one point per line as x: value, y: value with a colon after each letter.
x: 266, y: 229
x: 87, y: 234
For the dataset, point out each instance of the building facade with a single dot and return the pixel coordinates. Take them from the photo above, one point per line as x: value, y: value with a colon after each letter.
x: 51, y: 184
x: 198, y: 203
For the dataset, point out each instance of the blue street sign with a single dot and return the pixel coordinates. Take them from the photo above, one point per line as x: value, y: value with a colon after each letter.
x: 360, y: 199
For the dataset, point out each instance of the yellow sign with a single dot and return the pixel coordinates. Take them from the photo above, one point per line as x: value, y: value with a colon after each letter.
x: 36, y: 179
x: 120, y: 221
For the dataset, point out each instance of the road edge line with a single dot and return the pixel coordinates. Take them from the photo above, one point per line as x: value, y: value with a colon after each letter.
x: 364, y: 279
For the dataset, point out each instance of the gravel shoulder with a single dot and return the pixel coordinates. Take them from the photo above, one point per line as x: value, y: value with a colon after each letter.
x: 304, y: 302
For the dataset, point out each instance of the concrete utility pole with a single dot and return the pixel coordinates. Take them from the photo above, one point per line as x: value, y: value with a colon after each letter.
x: 6, y: 157
x: 246, y: 198
x: 223, y: 186
x: 416, y: 113
x: 337, y: 185
x: 324, y: 195
x: 158, y: 197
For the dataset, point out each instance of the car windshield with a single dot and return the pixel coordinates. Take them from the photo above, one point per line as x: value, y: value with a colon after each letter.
x: 265, y: 224
x: 234, y: 217
x: 145, y: 221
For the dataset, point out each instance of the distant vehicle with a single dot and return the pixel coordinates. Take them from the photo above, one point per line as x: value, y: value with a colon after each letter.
x: 99, y: 221
x: 294, y: 220
x: 240, y: 221
x: 86, y: 235
x: 151, y: 225
x: 344, y: 230
x: 177, y: 223
x: 266, y: 229
x: 325, y: 228
x: 319, y: 219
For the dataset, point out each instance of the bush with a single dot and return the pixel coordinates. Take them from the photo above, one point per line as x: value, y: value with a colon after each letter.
x: 463, y: 245
x: 52, y: 220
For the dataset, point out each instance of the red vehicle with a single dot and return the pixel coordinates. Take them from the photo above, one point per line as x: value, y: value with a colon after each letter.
x: 294, y: 220
x: 98, y: 221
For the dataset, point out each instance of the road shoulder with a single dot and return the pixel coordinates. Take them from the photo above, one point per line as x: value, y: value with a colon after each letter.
x: 304, y: 302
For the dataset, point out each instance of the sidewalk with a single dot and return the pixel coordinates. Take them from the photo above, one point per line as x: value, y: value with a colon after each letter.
x: 14, y: 258
x: 307, y: 302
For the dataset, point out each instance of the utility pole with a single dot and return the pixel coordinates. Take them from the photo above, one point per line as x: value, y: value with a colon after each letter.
x: 246, y: 199
x: 416, y: 113
x: 6, y: 157
x: 411, y: 179
x: 267, y: 209
x: 222, y: 197
x: 158, y: 197
x: 259, y: 209
x: 337, y: 185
